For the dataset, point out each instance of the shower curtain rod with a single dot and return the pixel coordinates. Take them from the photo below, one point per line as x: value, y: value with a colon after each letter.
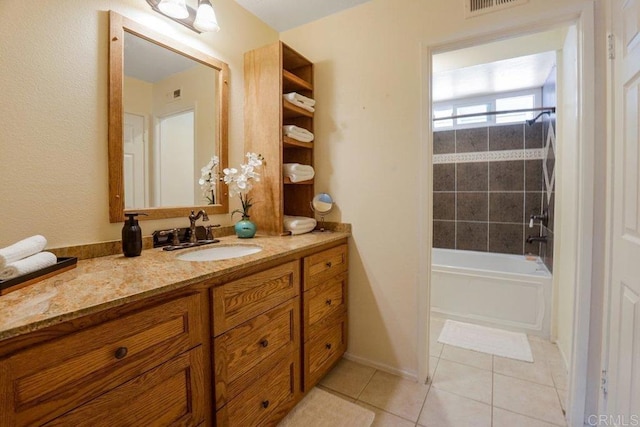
x: 489, y: 113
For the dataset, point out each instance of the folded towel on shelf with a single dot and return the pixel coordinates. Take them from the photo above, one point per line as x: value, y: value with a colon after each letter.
x: 297, y: 167
x: 300, y: 104
x: 295, y: 96
x: 296, y: 129
x: 28, y: 265
x: 299, y: 136
x: 299, y: 224
x: 22, y: 249
x: 297, y: 172
x: 295, y: 177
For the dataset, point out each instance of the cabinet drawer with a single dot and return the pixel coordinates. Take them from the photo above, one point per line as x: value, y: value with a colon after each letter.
x: 170, y: 395
x: 238, y: 301
x: 242, y: 354
x: 323, y: 301
x: 267, y: 400
x: 324, y: 265
x: 323, y: 350
x: 48, y: 380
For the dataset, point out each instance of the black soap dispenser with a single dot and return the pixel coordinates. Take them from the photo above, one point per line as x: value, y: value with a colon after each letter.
x: 131, y: 236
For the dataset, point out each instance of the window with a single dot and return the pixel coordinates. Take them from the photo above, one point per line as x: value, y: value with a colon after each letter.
x: 521, y: 100
x: 447, y: 112
x: 471, y: 109
x: 515, y: 103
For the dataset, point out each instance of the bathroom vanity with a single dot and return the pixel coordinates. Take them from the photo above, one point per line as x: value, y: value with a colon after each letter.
x: 155, y: 340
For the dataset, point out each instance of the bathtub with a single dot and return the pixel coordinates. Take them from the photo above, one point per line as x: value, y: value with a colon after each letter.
x: 497, y: 290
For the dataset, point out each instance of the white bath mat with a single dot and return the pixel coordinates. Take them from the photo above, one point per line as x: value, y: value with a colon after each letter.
x: 322, y: 409
x: 513, y: 345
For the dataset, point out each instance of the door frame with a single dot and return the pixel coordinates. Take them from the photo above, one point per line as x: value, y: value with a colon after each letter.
x: 583, y: 17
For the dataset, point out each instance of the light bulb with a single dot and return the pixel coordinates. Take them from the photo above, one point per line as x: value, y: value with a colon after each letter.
x: 206, y: 17
x: 174, y: 8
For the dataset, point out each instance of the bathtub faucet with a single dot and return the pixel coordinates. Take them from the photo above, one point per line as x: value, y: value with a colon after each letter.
x: 541, y: 239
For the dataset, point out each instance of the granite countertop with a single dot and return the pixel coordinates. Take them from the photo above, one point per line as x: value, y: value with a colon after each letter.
x: 111, y: 281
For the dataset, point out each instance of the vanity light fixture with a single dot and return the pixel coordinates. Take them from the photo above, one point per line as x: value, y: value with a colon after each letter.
x: 201, y: 20
x: 206, y: 17
x: 174, y: 8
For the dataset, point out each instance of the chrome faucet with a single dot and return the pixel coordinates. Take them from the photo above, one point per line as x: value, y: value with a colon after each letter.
x: 193, y: 217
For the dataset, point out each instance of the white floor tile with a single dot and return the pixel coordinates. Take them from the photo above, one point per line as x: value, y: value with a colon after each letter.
x: 348, y: 378
x: 444, y: 409
x: 503, y: 418
x: 524, y: 397
x: 537, y: 372
x: 463, y: 380
x: 467, y: 357
x: 396, y: 395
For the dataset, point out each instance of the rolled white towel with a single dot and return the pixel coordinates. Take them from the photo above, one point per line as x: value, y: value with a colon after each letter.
x: 295, y: 177
x: 299, y: 136
x: 301, y: 105
x: 299, y: 224
x: 289, y: 168
x: 22, y: 249
x: 295, y: 96
x: 297, y: 172
x: 28, y: 265
x: 296, y: 129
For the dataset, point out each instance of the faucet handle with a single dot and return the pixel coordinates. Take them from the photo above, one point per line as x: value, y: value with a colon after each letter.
x: 209, y: 235
x: 175, y: 234
x: 543, y: 218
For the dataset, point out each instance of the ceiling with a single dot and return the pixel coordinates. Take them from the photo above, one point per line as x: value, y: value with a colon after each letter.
x: 284, y: 15
x: 524, y: 72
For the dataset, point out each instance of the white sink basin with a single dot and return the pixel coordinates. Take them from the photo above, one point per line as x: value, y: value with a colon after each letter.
x: 217, y: 253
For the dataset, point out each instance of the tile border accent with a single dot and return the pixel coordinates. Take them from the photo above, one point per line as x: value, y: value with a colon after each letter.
x: 490, y: 156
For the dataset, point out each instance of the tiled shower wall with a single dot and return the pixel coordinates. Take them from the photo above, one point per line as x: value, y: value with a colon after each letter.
x: 483, y: 198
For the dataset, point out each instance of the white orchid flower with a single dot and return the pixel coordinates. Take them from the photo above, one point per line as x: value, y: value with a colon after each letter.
x: 240, y: 181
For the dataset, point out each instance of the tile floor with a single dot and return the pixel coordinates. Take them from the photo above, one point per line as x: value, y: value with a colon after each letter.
x: 467, y: 389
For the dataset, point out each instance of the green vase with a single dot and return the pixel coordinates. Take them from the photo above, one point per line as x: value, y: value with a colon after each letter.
x: 245, y: 229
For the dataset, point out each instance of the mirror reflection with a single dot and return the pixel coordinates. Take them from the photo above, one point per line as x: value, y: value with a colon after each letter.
x: 322, y: 203
x: 169, y: 130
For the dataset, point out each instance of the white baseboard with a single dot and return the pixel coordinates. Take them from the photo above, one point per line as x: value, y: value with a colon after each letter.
x: 410, y: 375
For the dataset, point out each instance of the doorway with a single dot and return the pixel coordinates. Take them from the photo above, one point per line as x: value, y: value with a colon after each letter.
x: 573, y: 242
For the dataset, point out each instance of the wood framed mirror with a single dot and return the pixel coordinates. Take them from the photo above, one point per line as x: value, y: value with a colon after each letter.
x: 168, y: 117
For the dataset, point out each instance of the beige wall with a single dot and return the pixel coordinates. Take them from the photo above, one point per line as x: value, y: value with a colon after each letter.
x: 53, y: 116
x: 368, y: 84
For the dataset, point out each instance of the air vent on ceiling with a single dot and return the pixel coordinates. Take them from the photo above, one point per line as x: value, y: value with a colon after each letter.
x: 478, y: 7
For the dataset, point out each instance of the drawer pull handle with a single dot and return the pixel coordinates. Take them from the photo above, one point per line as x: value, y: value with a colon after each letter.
x: 264, y: 343
x: 265, y: 404
x: 328, y: 346
x: 328, y: 264
x: 121, y: 352
x: 328, y: 302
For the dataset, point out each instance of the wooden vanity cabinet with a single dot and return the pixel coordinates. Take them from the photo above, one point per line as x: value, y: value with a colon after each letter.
x: 324, y: 327
x: 145, y: 368
x: 232, y: 353
x: 256, y: 354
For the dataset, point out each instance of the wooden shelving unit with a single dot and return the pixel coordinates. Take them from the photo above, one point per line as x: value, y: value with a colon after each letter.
x: 270, y: 72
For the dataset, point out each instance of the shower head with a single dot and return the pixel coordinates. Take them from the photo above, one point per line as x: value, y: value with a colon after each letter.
x: 532, y: 121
